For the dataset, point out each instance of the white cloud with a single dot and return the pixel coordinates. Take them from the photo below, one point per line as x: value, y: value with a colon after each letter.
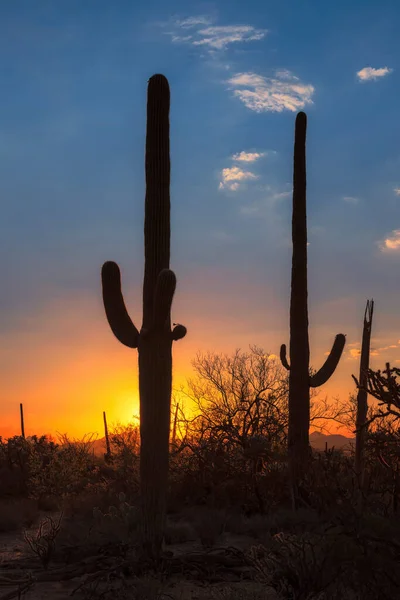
x: 350, y: 199
x: 369, y: 73
x: 181, y: 38
x: 193, y: 22
x: 397, y: 191
x: 233, y: 176
x: 248, y: 156
x: 282, y: 92
x: 219, y: 37
x: 392, y: 242
x: 213, y: 37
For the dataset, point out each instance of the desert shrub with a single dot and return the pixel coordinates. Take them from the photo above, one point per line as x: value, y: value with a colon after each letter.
x: 236, y: 523
x: 82, y: 504
x: 19, y: 513
x: 13, y: 484
x: 48, y: 503
x: 69, y: 470
x: 15, y: 453
x: 179, y: 532
x: 43, y: 542
x: 120, y: 522
x: 208, y: 523
x: 231, y: 592
x: 305, y: 566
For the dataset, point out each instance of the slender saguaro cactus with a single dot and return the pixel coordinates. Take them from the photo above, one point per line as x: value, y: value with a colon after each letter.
x: 108, y: 447
x: 175, y: 424
x: 362, y: 396
x: 154, y: 341
x: 21, y: 411
x: 300, y: 380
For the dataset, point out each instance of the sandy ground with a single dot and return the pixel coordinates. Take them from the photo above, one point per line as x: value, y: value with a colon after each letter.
x: 13, y: 546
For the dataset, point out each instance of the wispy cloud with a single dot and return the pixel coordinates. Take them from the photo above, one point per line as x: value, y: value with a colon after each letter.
x: 392, y: 242
x: 233, y: 176
x: 181, y: 38
x: 350, y: 199
x: 285, y: 91
x: 215, y: 37
x: 370, y: 74
x: 356, y: 352
x: 397, y: 191
x: 248, y: 156
x: 193, y: 22
x: 219, y: 37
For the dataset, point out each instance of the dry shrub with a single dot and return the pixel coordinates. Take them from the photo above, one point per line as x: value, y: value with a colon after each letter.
x: 43, y: 543
x: 179, y: 532
x: 21, y: 512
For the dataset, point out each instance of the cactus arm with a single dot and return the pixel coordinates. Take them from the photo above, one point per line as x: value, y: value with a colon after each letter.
x: 328, y: 368
x: 163, y: 296
x: 178, y: 332
x: 165, y: 289
x: 283, y: 358
x: 117, y: 315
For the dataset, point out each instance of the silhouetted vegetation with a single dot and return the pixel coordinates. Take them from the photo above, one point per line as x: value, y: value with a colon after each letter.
x: 229, y: 514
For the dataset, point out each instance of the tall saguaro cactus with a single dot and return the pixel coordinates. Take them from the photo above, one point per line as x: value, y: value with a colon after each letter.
x: 300, y: 380
x: 362, y: 396
x: 154, y: 341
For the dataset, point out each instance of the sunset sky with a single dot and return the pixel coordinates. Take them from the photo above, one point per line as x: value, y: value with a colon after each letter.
x: 73, y: 77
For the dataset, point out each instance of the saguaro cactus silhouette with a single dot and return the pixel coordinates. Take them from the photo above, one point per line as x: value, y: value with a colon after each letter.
x: 154, y: 341
x: 362, y: 395
x: 108, y: 446
x: 300, y: 379
x: 21, y: 411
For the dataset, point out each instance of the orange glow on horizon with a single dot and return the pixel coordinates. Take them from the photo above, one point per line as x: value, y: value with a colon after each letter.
x: 66, y: 367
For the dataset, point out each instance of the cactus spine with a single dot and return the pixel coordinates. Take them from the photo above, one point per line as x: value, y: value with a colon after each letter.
x: 362, y: 396
x: 300, y: 379
x: 154, y: 341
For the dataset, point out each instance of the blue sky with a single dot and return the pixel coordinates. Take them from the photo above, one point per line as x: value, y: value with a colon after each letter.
x: 72, y: 126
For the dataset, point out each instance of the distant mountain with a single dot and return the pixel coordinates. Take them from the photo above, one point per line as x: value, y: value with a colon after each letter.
x: 98, y: 447
x: 318, y: 441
